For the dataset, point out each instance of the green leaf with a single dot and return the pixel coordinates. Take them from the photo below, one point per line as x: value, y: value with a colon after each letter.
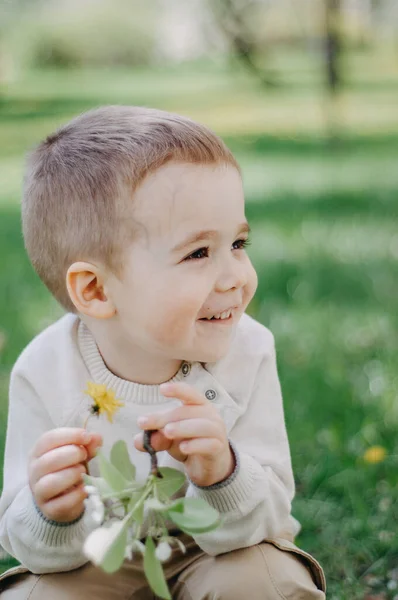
x: 197, y: 515
x: 121, y: 460
x: 114, y: 557
x: 155, y: 504
x: 154, y: 571
x: 137, y: 513
x: 199, y: 530
x: 133, y: 499
x: 106, y: 545
x: 172, y: 481
x: 177, y: 505
x: 111, y: 474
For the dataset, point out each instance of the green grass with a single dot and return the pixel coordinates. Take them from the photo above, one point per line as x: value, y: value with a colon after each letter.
x: 325, y: 245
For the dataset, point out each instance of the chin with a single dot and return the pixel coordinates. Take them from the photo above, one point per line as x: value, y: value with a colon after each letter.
x: 211, y: 355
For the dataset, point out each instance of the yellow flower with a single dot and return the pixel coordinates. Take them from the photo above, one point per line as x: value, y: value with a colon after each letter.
x: 375, y: 454
x: 104, y: 400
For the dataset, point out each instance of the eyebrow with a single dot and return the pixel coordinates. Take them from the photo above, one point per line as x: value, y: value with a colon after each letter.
x: 201, y: 236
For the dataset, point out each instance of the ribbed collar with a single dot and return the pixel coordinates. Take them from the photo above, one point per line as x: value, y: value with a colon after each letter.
x: 129, y: 391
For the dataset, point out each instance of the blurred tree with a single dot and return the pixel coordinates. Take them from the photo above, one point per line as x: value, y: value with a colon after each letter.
x: 237, y: 20
x: 333, y: 45
x: 333, y: 50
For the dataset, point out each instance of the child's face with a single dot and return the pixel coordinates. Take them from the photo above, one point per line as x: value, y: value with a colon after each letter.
x: 166, y: 291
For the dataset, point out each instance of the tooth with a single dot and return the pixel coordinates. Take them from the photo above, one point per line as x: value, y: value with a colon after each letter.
x: 224, y: 315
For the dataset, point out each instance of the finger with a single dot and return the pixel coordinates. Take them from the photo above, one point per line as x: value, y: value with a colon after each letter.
x: 184, y: 392
x: 194, y: 428
x: 52, y: 485
x: 62, y: 436
x: 57, y: 459
x: 202, y: 446
x: 158, y: 442
x: 93, y: 446
x: 160, y: 419
x: 67, y: 507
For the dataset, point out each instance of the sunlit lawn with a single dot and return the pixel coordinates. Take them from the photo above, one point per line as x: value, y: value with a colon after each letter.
x: 325, y: 244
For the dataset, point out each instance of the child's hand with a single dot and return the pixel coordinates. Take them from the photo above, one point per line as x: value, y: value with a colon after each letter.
x: 55, y: 469
x: 193, y: 433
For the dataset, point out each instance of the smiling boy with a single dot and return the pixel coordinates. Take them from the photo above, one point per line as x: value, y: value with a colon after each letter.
x: 135, y: 220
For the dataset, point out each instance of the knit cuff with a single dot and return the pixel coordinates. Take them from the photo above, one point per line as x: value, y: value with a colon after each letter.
x: 235, y: 491
x: 56, y: 523
x: 45, y: 531
x: 228, y: 480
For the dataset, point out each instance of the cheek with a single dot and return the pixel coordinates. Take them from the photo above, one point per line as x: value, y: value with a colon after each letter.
x: 174, y: 318
x: 251, y: 286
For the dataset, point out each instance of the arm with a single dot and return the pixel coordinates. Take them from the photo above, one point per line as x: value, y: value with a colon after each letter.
x: 42, y: 545
x: 255, y: 501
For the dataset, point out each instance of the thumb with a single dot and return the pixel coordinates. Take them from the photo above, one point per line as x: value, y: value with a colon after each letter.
x: 92, y: 447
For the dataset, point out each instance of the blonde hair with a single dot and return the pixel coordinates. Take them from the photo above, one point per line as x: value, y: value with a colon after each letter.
x: 79, y: 184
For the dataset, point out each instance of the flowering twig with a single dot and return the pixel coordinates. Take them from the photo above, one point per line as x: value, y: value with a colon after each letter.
x: 122, y: 507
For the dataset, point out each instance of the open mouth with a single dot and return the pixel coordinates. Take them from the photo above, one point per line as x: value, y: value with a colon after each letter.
x: 220, y: 317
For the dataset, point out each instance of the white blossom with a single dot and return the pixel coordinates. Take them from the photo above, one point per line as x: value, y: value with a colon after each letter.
x: 138, y: 545
x: 118, y: 511
x: 98, y: 511
x: 95, y: 508
x: 134, y: 546
x: 163, y: 551
x: 91, y: 489
x: 100, y: 540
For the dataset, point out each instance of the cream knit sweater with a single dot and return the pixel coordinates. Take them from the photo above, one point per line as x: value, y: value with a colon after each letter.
x: 47, y: 391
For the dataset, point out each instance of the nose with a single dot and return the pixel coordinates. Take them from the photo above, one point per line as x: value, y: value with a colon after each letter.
x: 233, y: 274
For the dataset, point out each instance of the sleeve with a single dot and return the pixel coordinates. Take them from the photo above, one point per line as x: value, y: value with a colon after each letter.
x: 41, y: 545
x: 255, y: 501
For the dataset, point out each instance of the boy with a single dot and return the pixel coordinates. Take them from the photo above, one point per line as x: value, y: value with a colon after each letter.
x: 134, y: 219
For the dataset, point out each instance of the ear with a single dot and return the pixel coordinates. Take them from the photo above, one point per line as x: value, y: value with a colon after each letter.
x: 86, y: 288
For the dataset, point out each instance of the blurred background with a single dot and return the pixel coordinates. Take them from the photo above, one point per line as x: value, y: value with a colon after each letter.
x: 305, y: 93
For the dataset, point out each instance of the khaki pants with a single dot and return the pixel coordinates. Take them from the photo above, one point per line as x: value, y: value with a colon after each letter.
x: 272, y: 570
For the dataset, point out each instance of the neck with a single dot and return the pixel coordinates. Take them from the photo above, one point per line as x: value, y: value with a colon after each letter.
x: 130, y: 362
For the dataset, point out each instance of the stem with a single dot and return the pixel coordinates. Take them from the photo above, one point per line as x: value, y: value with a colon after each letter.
x: 85, y: 464
x: 143, y: 497
x: 156, y: 493
x: 154, y: 459
x: 116, y: 505
x: 163, y: 525
x: 120, y: 495
x: 151, y: 524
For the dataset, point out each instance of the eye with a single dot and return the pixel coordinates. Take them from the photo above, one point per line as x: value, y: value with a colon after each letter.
x: 242, y: 244
x: 198, y: 254
x: 204, y: 252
